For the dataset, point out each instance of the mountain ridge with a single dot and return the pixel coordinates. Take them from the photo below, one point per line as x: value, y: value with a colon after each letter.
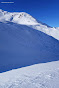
x: 24, y: 18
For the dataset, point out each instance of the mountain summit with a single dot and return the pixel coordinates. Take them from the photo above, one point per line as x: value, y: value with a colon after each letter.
x: 17, y: 17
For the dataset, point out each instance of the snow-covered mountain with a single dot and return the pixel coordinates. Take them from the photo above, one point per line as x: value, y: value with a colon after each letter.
x: 26, y: 19
x: 37, y: 76
x: 24, y: 41
x: 21, y: 44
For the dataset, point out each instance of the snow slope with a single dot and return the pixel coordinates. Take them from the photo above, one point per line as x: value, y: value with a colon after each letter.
x: 36, y: 76
x: 21, y: 45
x: 28, y: 20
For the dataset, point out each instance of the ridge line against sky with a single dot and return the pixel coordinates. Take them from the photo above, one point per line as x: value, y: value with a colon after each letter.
x: 47, y: 11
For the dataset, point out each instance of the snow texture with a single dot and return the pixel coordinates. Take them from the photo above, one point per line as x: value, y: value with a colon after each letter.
x: 37, y: 76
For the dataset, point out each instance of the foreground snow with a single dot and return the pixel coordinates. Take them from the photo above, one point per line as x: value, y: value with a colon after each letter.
x: 37, y: 76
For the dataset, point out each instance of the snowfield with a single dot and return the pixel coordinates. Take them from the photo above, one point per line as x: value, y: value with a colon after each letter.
x: 36, y: 76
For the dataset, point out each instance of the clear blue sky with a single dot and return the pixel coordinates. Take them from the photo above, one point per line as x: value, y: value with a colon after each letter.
x: 46, y: 11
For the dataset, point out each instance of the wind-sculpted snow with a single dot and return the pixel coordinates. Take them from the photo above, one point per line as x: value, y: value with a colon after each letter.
x: 26, y: 19
x: 21, y: 46
x: 37, y: 76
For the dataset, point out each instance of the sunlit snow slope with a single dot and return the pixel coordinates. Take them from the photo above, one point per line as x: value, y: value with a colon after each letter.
x: 37, y: 76
x: 26, y: 19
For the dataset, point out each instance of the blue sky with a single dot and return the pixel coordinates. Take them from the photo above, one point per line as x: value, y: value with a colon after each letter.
x: 46, y: 11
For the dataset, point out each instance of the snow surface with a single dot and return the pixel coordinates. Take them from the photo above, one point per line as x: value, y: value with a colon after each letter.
x: 36, y: 76
x: 21, y: 46
x: 26, y: 19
